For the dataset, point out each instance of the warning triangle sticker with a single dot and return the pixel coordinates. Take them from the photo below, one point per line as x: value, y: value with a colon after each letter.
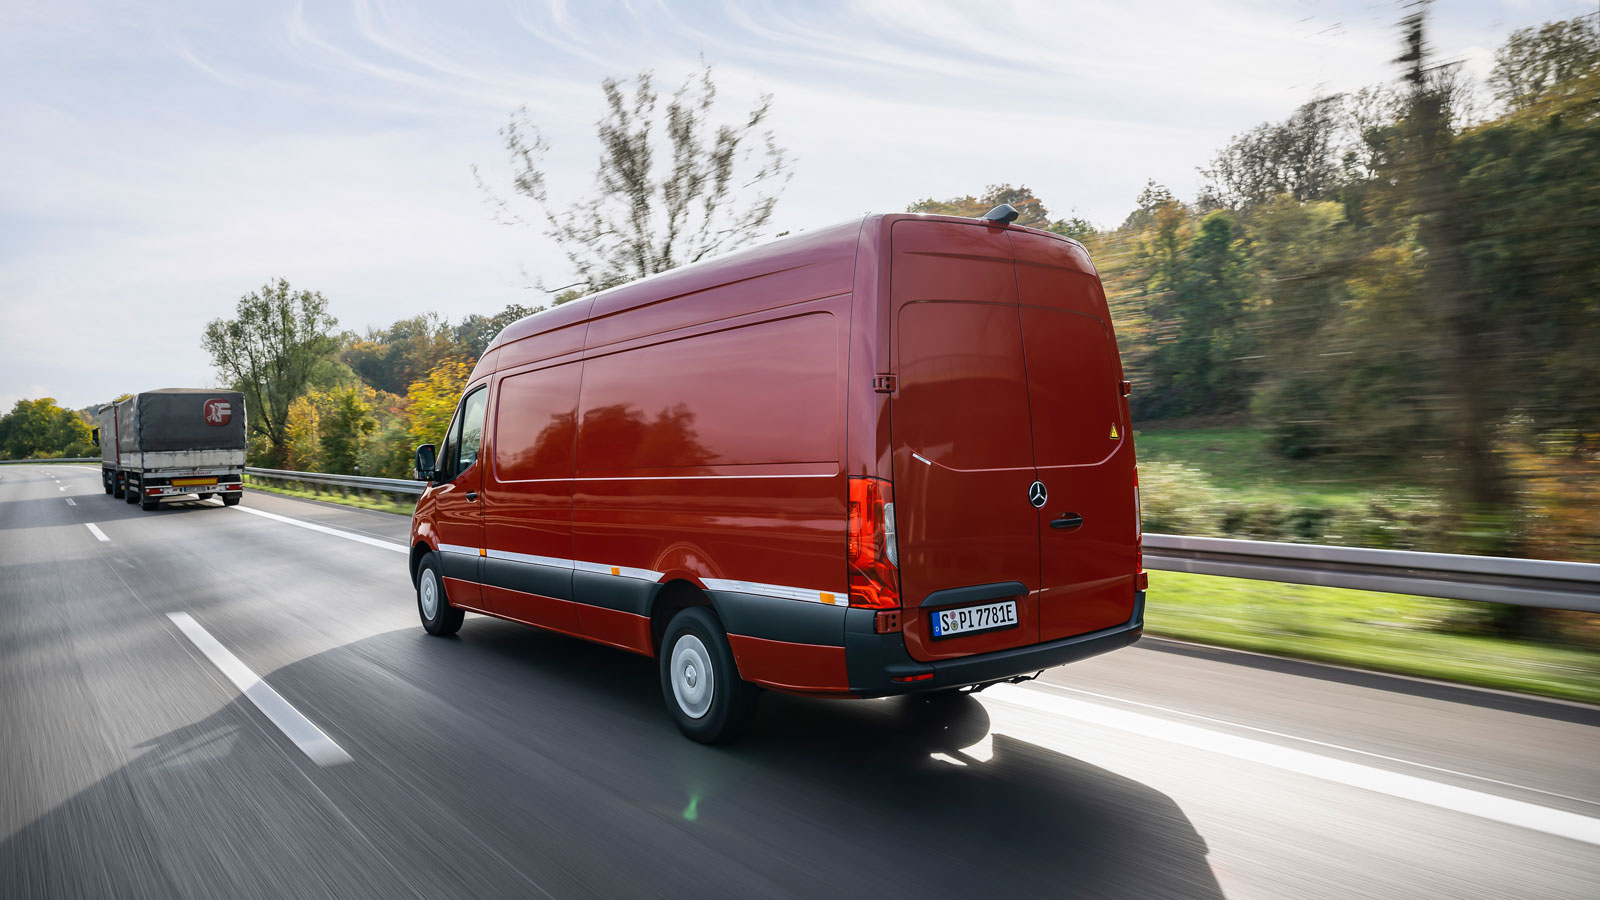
x: 1114, y: 434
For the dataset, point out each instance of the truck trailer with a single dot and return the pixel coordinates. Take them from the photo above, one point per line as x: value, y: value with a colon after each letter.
x: 173, y: 443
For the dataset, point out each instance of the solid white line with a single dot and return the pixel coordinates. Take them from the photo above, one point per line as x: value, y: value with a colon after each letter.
x: 70, y: 502
x: 306, y: 735
x: 1304, y: 740
x: 347, y: 535
x: 1408, y: 787
x: 94, y: 530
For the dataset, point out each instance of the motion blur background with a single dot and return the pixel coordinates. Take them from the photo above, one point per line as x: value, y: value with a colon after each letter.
x: 1372, y: 319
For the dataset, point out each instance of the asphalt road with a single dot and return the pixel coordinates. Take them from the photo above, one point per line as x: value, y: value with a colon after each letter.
x: 511, y: 762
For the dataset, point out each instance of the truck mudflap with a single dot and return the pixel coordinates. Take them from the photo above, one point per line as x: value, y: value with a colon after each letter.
x: 879, y: 665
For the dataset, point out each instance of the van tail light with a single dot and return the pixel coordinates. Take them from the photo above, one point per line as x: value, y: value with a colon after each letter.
x: 870, y: 548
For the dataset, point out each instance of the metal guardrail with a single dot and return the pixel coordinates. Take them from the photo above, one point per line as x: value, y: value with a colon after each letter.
x: 1489, y: 579
x: 67, y: 459
x: 352, y: 482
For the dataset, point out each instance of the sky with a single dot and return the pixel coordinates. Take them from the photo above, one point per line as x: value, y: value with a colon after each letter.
x: 159, y: 160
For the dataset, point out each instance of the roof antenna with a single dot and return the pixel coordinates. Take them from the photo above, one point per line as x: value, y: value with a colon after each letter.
x: 1003, y: 214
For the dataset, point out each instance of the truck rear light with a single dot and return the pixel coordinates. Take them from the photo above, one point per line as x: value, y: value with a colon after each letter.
x: 870, y: 547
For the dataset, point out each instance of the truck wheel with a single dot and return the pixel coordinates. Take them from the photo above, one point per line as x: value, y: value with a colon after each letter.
x: 148, y: 503
x: 438, y: 616
x: 700, y: 681
x: 107, y: 483
x: 231, y: 499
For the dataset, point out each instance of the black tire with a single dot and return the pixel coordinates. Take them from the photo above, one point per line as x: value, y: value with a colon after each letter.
x: 446, y: 618
x: 231, y: 499
x: 732, y: 701
x: 108, y: 483
x: 149, y: 504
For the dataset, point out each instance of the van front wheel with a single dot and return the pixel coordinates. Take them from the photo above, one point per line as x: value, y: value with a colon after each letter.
x: 700, y: 681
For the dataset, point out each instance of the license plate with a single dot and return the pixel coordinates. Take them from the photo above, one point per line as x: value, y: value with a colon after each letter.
x: 199, y: 490
x: 968, y: 619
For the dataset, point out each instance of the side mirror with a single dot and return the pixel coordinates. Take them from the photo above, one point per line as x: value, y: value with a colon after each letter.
x: 96, y: 436
x: 425, y: 461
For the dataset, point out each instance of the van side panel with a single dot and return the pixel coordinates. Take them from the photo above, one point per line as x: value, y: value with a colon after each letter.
x: 712, y: 454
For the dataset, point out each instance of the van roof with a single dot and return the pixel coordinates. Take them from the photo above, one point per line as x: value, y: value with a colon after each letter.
x: 839, y: 239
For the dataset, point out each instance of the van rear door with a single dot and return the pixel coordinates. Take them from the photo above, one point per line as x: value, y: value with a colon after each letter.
x: 1082, y: 447
x: 963, y: 446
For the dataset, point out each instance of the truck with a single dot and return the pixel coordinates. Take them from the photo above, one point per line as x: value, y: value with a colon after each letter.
x: 174, y: 443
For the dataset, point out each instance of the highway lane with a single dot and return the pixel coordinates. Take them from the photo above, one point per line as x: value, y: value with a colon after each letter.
x: 513, y: 762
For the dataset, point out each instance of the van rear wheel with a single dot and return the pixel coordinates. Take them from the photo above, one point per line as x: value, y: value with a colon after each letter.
x: 700, y: 681
x: 439, y: 618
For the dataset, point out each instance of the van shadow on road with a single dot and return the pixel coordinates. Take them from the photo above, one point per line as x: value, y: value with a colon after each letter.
x: 509, y: 757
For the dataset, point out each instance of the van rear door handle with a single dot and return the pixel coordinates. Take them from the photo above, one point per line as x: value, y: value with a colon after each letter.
x: 1067, y: 521
x: 473, y: 495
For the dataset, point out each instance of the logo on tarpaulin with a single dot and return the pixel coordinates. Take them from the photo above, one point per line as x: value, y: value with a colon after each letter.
x: 218, y: 411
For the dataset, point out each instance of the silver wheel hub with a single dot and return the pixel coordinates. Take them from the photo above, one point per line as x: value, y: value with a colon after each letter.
x: 693, y: 684
x: 428, y: 594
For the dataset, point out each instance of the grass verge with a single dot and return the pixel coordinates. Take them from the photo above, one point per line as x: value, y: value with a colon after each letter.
x: 1384, y: 632
x: 379, y: 502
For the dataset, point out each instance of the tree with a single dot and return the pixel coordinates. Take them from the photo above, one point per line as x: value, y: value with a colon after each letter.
x: 711, y: 189
x: 271, y: 351
x: 40, y: 428
x: 389, y: 359
x: 344, y: 430
x: 432, y: 400
x: 1532, y: 62
x: 475, y: 332
x: 1300, y: 156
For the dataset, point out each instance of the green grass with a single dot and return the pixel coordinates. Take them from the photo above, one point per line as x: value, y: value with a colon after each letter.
x: 379, y: 502
x: 1240, y: 462
x: 1386, y: 632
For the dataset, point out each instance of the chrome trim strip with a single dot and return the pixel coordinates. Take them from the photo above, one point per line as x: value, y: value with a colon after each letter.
x: 785, y: 592
x: 550, y: 561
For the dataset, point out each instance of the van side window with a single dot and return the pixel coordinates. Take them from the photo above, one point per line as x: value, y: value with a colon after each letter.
x: 471, y: 432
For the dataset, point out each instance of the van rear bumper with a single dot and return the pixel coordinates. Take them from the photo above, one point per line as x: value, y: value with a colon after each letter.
x: 875, y: 660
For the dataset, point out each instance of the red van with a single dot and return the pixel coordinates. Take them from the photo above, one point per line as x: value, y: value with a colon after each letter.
x: 884, y: 457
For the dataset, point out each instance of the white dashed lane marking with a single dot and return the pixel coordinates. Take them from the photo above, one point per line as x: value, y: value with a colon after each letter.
x: 306, y: 735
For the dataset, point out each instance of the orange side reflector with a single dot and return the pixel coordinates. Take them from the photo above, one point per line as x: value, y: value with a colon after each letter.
x: 616, y: 570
